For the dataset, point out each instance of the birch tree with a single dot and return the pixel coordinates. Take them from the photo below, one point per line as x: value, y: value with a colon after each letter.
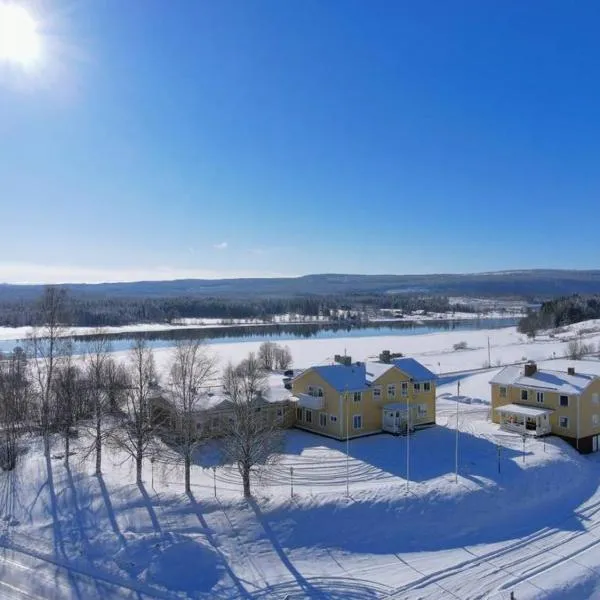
x: 14, y: 406
x: 98, y: 365
x: 191, y: 369
x: 46, y: 346
x: 252, y: 436
x: 137, y: 433
x: 68, y: 387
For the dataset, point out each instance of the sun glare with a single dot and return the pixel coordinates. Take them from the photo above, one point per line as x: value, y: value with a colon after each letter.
x: 19, y: 39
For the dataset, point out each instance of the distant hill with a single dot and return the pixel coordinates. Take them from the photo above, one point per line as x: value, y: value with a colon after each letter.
x: 526, y: 283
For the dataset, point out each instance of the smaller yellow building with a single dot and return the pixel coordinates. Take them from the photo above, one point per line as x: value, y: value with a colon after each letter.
x: 362, y: 398
x: 538, y: 402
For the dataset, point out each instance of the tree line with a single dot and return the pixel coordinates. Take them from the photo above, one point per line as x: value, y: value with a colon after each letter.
x: 48, y: 392
x: 560, y: 312
x: 86, y: 311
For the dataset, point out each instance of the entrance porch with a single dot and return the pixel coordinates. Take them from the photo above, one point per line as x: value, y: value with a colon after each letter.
x: 526, y: 420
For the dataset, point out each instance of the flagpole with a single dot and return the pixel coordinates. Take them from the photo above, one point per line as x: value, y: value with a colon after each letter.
x: 456, y: 447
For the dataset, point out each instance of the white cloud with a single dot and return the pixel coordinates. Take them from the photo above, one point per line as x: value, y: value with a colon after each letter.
x: 221, y: 246
x: 33, y: 273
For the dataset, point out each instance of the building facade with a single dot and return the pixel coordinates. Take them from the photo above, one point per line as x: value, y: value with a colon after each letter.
x: 356, y: 399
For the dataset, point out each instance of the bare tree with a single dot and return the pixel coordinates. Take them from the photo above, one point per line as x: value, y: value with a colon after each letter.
x: 98, y: 366
x: 68, y: 386
x: 14, y: 406
x: 137, y: 434
x: 191, y: 369
x: 46, y: 345
x: 251, y: 436
x: 283, y: 357
x: 266, y: 355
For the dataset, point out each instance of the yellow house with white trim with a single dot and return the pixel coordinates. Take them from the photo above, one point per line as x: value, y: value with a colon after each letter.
x: 537, y: 402
x: 362, y: 398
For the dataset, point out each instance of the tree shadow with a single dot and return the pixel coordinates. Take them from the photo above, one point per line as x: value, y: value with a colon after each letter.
x: 304, y: 585
x: 110, y: 511
x: 197, y: 509
x: 149, y: 507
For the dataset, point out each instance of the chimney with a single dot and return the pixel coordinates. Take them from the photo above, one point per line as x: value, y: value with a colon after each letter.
x: 571, y: 371
x: 530, y: 368
x: 343, y: 360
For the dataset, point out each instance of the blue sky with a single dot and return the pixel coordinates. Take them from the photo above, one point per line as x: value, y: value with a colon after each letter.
x: 170, y: 139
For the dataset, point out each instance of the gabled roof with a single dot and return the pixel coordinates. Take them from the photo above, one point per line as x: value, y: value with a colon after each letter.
x: 544, y: 380
x: 375, y: 370
x: 343, y: 378
x: 414, y: 369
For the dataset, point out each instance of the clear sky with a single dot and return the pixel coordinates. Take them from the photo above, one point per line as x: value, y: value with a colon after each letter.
x: 159, y: 139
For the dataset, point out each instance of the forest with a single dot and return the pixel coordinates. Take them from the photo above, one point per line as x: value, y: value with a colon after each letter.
x: 85, y: 311
x: 561, y: 311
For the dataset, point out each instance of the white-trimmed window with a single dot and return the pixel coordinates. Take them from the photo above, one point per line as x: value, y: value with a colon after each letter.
x: 524, y: 395
x: 427, y: 386
x: 564, y: 401
x: 377, y: 392
x: 323, y: 419
x: 417, y: 387
x: 299, y: 414
x: 357, y: 396
x: 314, y: 390
x: 595, y: 398
x: 563, y: 422
x: 502, y: 392
x: 539, y: 396
x: 391, y: 390
x: 404, y: 388
x: 333, y: 418
x: 421, y: 410
x: 595, y: 420
x: 308, y: 415
x: 357, y: 421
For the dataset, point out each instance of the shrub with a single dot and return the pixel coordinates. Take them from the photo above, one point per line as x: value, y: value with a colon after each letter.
x: 460, y: 346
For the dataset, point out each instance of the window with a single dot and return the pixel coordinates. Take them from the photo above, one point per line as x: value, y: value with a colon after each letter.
x: 417, y: 387
x: 322, y: 419
x: 279, y: 418
x: 564, y: 400
x: 357, y: 396
x: 421, y: 410
x: 404, y: 388
x: 299, y: 414
x: 427, y: 386
x: 308, y: 415
x: 502, y: 392
x: 539, y: 396
x: 377, y: 393
x: 595, y: 420
x: 391, y: 390
x: 563, y: 422
x: 333, y: 418
x: 524, y: 395
x: 596, y: 398
x: 357, y: 421
x: 314, y: 390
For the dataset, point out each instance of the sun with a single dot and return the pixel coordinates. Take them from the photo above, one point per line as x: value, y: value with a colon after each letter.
x: 19, y: 39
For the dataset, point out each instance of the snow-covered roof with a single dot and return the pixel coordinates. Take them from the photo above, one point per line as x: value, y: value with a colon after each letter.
x: 544, y: 379
x: 376, y: 369
x: 527, y: 411
x: 414, y: 369
x: 342, y: 378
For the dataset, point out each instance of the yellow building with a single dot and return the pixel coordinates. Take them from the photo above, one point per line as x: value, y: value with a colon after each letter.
x: 355, y: 399
x: 538, y: 402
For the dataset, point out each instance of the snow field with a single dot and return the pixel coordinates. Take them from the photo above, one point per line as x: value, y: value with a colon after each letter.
x: 530, y: 526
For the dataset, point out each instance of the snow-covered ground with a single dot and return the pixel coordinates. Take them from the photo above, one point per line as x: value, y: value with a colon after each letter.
x: 518, y: 519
